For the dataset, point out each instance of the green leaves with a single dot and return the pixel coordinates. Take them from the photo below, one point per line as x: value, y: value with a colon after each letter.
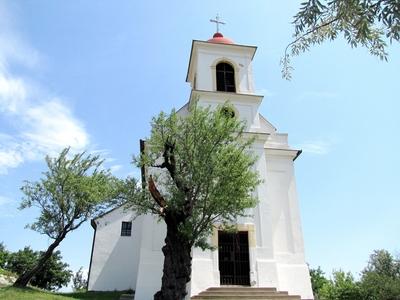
x: 366, y: 23
x: 341, y: 287
x: 72, y: 190
x: 79, y: 281
x: 54, y: 274
x: 202, y: 166
x: 380, y: 280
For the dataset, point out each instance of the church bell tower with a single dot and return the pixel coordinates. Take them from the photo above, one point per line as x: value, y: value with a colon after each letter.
x: 267, y: 251
x: 221, y: 71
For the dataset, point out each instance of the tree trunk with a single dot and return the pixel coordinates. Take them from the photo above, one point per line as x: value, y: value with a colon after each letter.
x: 177, y: 263
x: 25, y: 277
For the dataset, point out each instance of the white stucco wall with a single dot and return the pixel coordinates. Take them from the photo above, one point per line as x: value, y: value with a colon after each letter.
x: 151, y: 258
x: 246, y: 106
x: 115, y: 258
x: 286, y: 233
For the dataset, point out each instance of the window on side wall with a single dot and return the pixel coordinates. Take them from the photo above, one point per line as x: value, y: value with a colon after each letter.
x: 126, y: 228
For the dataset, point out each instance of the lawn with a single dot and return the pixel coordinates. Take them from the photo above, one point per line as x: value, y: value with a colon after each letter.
x: 12, y: 293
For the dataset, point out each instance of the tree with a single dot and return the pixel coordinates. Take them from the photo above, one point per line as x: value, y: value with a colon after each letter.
x: 381, y: 278
x: 71, y: 191
x: 52, y: 276
x: 79, y: 282
x: 199, y: 174
x: 341, y: 287
x: 367, y: 23
x: 318, y: 280
x: 18, y: 262
x: 3, y: 255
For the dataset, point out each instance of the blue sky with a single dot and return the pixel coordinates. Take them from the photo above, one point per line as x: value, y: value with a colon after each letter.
x: 91, y: 74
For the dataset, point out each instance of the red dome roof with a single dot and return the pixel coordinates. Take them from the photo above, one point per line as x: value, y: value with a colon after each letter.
x: 218, y: 38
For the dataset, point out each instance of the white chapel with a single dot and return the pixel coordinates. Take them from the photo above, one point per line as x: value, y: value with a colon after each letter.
x: 268, y: 249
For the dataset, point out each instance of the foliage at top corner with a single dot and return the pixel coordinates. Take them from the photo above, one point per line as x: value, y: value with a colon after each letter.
x: 199, y: 169
x: 367, y: 23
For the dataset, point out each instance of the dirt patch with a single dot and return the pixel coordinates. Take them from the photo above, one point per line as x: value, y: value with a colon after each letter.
x: 6, y: 280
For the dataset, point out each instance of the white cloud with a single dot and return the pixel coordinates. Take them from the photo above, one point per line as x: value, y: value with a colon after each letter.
x: 12, y: 94
x: 51, y: 125
x: 9, y: 158
x: 13, y: 49
x: 315, y: 147
x: 41, y: 124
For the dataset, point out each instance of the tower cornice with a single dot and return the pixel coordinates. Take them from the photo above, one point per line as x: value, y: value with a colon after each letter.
x: 226, y: 96
x: 196, y: 44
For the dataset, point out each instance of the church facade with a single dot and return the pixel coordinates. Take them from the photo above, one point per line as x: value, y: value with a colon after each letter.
x: 266, y: 251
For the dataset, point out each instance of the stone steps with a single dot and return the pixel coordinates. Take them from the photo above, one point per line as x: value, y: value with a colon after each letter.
x: 238, y: 288
x: 243, y: 293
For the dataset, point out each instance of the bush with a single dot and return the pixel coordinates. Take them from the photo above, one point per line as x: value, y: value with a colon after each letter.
x: 19, y: 261
x: 3, y: 255
x: 341, y: 287
x: 381, y: 278
x: 318, y: 280
x: 54, y: 274
x: 79, y: 282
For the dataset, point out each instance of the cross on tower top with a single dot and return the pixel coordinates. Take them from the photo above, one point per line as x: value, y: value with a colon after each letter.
x: 217, y: 22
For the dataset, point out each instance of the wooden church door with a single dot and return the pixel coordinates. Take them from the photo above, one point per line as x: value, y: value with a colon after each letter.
x: 233, y: 254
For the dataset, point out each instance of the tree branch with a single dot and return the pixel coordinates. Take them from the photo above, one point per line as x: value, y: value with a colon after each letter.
x: 316, y: 28
x: 156, y: 194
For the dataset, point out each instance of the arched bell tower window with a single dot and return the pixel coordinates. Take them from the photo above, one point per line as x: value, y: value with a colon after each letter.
x: 225, y: 78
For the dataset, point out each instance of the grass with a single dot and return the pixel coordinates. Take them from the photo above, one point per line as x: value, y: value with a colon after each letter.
x: 93, y: 295
x: 12, y: 293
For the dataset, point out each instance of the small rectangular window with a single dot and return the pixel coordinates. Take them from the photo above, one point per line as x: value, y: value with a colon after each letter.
x: 126, y: 229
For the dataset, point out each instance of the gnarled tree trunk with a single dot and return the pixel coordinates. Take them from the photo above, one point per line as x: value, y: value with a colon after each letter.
x: 177, y: 262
